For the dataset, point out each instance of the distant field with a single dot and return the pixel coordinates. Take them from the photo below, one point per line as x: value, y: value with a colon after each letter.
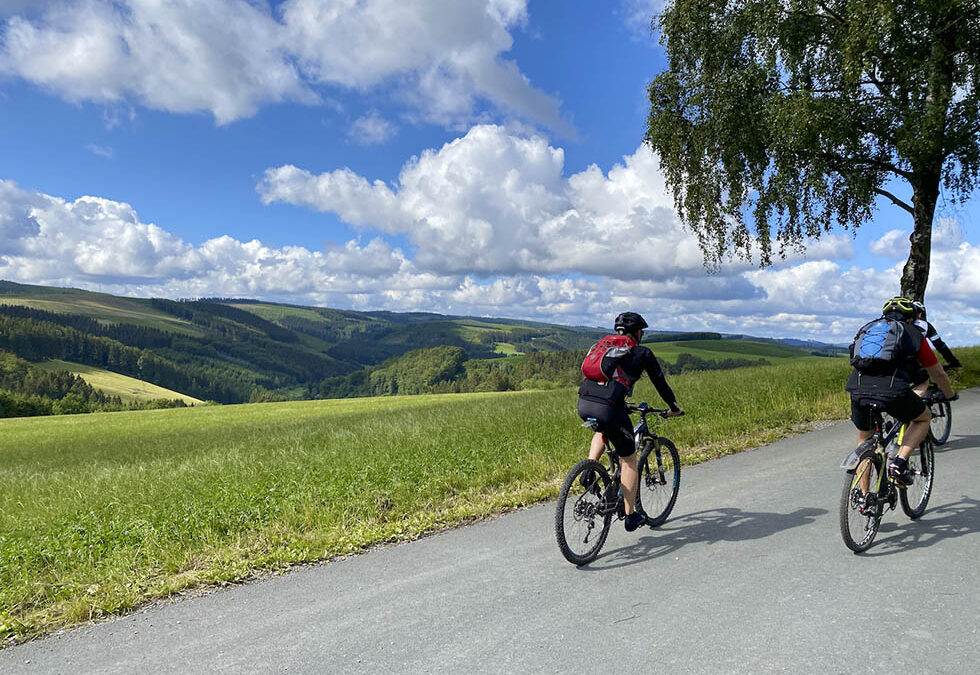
x: 727, y: 349
x: 279, y: 312
x: 103, y: 307
x: 114, y: 384
x: 102, y: 512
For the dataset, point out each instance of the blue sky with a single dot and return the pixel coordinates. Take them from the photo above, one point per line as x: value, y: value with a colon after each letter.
x: 480, y: 157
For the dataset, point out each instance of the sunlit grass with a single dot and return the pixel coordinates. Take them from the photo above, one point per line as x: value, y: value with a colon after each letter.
x: 101, y: 512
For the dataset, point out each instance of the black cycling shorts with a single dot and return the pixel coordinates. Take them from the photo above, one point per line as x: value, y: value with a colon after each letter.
x: 613, y: 421
x: 919, y: 375
x: 904, y: 408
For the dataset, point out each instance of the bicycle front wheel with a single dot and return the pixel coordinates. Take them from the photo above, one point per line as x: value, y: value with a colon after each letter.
x: 582, y: 518
x: 660, y: 480
x: 941, y: 422
x: 915, y: 497
x: 860, y: 510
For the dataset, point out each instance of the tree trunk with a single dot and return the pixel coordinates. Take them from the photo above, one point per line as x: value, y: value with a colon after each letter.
x: 915, y: 276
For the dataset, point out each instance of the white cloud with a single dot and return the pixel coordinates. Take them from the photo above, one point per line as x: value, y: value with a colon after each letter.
x: 100, y: 150
x: 492, y: 202
x: 639, y: 13
x: 893, y: 244
x: 225, y: 56
x: 372, y: 129
x: 228, y: 57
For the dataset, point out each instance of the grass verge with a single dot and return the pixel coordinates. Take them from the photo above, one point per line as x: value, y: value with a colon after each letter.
x: 100, y: 513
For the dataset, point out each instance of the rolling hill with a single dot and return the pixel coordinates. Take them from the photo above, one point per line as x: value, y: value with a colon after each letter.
x: 233, y: 350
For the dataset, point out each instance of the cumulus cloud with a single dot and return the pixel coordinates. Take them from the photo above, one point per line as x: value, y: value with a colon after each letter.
x: 371, y: 129
x: 228, y: 57
x: 492, y: 202
x: 947, y: 235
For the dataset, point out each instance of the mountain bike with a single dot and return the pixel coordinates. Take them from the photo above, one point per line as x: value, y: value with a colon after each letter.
x: 592, y: 491
x: 942, y: 415
x: 868, y: 489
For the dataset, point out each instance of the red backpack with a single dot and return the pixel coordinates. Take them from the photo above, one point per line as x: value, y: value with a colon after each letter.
x: 601, y: 364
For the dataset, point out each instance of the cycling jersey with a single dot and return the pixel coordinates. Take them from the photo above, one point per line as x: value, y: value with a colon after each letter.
x: 916, y: 352
x: 639, y: 361
x: 606, y: 403
x: 937, y: 342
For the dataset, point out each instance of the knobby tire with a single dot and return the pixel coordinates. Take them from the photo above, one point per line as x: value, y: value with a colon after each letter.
x: 858, y: 530
x: 658, y: 488
x: 922, y: 462
x: 579, y: 529
x: 941, y: 422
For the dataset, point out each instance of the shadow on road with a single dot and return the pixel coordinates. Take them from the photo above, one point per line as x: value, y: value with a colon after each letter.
x: 944, y: 522
x: 958, y: 442
x: 711, y: 526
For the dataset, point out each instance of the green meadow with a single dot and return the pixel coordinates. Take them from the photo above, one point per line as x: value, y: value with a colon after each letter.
x: 102, y: 512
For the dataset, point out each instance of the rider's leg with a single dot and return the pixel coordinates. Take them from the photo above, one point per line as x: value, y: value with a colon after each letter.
x: 862, y: 422
x: 915, y: 433
x: 921, y: 388
x: 630, y: 479
x: 597, y: 446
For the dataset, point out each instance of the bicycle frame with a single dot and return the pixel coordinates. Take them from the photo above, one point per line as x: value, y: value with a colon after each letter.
x: 884, y: 488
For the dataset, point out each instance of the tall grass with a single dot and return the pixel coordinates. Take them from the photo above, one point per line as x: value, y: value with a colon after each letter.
x: 101, y: 512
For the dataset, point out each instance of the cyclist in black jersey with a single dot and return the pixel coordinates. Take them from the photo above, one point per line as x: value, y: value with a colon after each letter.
x: 606, y: 404
x: 921, y: 377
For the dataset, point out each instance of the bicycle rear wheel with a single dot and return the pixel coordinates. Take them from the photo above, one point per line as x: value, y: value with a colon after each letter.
x: 915, y: 497
x: 660, y: 480
x: 941, y: 422
x: 582, y: 518
x: 860, y: 510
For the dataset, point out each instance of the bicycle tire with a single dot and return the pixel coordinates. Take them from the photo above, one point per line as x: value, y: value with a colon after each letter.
x: 858, y: 529
x: 915, y: 497
x: 577, y: 516
x: 658, y: 488
x: 941, y: 423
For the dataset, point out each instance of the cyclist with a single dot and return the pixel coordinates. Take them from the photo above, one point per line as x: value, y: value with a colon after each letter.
x: 921, y: 377
x: 889, y: 382
x: 605, y: 404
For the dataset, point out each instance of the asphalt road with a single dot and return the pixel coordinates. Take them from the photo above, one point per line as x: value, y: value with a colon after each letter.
x: 748, y: 576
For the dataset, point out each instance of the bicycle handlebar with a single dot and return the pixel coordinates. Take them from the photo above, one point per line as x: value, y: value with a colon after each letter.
x: 644, y: 409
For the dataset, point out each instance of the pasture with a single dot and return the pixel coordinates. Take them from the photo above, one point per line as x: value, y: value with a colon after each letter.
x: 102, y: 512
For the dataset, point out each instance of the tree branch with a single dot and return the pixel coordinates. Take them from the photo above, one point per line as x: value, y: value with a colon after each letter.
x: 895, y: 200
x: 841, y: 164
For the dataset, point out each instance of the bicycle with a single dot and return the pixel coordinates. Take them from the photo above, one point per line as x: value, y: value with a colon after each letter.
x: 868, y: 489
x: 592, y: 491
x: 942, y: 415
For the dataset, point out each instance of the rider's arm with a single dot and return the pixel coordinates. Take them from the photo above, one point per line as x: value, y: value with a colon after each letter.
x: 659, y: 380
x: 942, y: 348
x: 927, y: 359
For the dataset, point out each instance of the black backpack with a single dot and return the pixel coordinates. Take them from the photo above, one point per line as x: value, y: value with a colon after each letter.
x: 877, y: 347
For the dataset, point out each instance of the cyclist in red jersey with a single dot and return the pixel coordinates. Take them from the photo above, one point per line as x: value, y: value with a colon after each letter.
x: 608, y: 410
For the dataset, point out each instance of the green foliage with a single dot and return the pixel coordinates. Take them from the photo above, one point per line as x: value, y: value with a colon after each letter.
x: 776, y: 121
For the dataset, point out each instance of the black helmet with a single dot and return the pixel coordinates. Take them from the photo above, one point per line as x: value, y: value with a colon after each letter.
x: 900, y: 308
x: 920, y: 310
x: 629, y: 322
